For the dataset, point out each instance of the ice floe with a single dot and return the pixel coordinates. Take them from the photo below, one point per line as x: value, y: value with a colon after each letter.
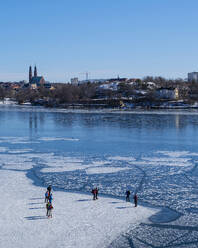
x: 177, y: 154
x: 120, y: 158
x: 104, y: 170
x: 57, y: 139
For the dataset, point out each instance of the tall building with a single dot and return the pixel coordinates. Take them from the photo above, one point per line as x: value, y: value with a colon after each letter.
x: 35, y: 71
x: 30, y: 74
x: 193, y: 77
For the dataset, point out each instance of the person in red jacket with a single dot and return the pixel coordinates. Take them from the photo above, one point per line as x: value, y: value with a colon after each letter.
x: 96, y: 189
x: 95, y: 193
x: 135, y: 200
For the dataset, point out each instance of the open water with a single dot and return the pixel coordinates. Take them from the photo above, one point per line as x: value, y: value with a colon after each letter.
x: 153, y: 153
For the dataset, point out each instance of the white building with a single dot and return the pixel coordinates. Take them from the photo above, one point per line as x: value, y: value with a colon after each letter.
x: 74, y: 81
x: 193, y: 77
x: 167, y: 93
x: 110, y: 86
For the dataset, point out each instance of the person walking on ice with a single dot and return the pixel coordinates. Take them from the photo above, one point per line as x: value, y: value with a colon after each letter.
x: 95, y: 193
x: 128, y: 195
x: 135, y: 199
x: 48, y: 194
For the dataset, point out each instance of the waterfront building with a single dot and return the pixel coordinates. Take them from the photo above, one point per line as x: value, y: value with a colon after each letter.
x: 167, y: 93
x: 193, y: 77
x: 74, y: 81
x: 35, y: 81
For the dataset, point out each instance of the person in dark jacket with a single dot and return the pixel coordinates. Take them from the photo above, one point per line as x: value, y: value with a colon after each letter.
x: 96, y: 190
x: 128, y: 195
x: 49, y: 188
x: 135, y: 200
x: 95, y: 193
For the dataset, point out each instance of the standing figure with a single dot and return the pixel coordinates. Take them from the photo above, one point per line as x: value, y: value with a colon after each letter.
x: 135, y: 200
x: 128, y: 195
x: 96, y: 189
x: 49, y: 210
x: 94, y: 193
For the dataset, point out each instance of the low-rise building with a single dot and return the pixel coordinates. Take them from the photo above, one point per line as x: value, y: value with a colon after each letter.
x: 110, y: 86
x: 15, y: 86
x: 74, y: 81
x: 167, y: 93
x: 48, y: 86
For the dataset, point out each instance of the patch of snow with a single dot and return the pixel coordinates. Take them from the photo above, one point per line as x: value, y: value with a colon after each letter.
x: 19, y: 162
x: 64, y: 167
x: 16, y: 140
x: 7, y: 101
x: 61, y: 164
x: 110, y: 86
x: 19, y: 166
x: 20, y: 151
x: 177, y: 153
x: 151, y: 83
x: 159, y: 163
x: 171, y: 159
x: 104, y: 170
x: 121, y: 158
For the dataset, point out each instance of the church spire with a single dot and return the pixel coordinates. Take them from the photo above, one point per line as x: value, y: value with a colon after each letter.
x: 35, y: 71
x: 30, y: 74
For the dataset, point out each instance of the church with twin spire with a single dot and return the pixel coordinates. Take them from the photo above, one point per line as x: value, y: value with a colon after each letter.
x: 35, y: 81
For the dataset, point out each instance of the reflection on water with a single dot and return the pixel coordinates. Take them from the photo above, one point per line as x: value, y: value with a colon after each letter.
x: 104, y: 132
x: 138, y: 121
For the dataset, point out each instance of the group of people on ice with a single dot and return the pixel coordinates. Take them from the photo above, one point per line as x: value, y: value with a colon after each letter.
x: 48, y: 201
x: 135, y: 198
x: 49, y: 198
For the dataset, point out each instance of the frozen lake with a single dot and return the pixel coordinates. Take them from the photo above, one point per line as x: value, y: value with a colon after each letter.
x: 151, y: 153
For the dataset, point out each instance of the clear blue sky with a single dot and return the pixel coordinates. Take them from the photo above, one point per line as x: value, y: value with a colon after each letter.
x: 65, y: 38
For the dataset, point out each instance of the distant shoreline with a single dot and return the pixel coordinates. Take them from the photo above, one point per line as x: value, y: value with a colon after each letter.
x: 94, y: 105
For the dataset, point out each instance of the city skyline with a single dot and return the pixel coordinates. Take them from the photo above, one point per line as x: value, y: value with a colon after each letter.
x: 106, y: 39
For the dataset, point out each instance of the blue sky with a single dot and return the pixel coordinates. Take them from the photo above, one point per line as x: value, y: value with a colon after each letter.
x: 129, y: 38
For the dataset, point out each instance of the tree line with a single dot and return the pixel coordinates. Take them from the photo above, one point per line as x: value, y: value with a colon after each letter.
x: 68, y: 93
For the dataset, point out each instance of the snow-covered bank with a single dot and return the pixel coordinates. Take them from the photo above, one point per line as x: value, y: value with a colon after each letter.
x: 7, y: 101
x: 77, y: 221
